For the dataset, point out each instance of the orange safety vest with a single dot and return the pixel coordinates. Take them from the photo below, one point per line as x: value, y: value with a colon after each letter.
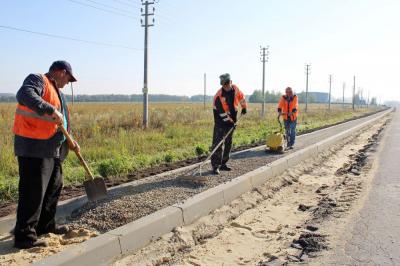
x: 29, y: 124
x: 238, y: 99
x: 287, y: 107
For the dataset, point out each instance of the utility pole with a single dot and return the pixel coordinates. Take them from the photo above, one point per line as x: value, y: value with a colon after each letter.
x: 205, y: 88
x: 344, y: 86
x: 330, y: 90
x: 361, y: 93
x: 308, y: 71
x: 264, y: 58
x: 354, y: 91
x: 146, y: 26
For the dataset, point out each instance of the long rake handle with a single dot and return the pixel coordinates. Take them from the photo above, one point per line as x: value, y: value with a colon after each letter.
x: 219, y: 144
x: 216, y: 147
x: 78, y: 154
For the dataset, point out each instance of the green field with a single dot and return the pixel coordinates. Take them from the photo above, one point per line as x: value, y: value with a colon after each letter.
x: 113, y: 142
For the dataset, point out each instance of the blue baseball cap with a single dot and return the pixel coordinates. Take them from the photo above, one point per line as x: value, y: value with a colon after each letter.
x: 63, y: 65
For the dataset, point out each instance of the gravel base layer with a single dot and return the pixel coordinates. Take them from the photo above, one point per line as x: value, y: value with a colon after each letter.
x: 148, y: 195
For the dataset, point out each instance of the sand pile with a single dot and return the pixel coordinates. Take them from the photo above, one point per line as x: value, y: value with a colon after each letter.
x: 12, y: 256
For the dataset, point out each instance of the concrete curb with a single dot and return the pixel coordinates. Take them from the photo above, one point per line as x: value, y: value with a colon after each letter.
x: 141, y: 232
x: 102, y: 249
x: 99, y: 250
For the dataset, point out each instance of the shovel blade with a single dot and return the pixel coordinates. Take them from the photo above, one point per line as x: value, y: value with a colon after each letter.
x: 95, y: 189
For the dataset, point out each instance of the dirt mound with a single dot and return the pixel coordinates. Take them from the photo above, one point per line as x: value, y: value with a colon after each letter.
x: 13, y: 256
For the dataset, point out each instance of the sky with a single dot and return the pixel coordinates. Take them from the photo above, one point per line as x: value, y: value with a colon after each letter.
x: 341, y: 38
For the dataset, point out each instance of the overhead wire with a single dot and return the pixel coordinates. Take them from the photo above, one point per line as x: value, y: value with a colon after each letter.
x: 69, y: 38
x: 124, y: 3
x: 109, y: 6
x: 103, y: 9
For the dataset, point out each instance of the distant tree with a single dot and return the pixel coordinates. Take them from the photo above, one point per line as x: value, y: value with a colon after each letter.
x: 373, y: 101
x: 200, y: 98
x: 127, y: 98
x: 272, y: 97
x: 256, y: 97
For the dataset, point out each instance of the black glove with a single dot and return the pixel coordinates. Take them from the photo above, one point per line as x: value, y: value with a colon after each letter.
x: 244, y: 111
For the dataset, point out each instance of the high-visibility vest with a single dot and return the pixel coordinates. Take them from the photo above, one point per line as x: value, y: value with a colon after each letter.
x: 287, y: 107
x: 238, y: 99
x: 29, y: 124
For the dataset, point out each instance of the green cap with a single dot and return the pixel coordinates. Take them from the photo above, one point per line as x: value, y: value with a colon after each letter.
x: 224, y: 78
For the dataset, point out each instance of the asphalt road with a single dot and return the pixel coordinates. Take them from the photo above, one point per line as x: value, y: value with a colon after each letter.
x: 373, y: 236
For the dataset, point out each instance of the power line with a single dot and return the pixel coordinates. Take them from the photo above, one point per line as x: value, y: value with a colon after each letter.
x: 109, y: 6
x: 103, y: 9
x: 69, y: 38
x: 124, y: 3
x: 133, y: 2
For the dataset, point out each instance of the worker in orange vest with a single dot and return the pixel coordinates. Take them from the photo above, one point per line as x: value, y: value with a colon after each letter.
x: 288, y: 107
x: 226, y: 103
x: 40, y: 148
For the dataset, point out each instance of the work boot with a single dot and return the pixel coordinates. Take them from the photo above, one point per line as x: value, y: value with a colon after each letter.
x: 61, y: 230
x: 58, y: 230
x: 31, y: 244
x: 225, y: 168
x: 216, y: 171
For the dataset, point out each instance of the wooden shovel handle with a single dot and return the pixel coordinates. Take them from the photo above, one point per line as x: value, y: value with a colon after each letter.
x: 78, y: 154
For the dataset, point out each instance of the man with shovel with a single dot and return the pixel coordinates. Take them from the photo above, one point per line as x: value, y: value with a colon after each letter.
x: 40, y: 148
x: 226, y: 103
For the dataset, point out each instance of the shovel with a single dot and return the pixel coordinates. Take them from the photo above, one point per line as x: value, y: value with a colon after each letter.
x: 95, y: 187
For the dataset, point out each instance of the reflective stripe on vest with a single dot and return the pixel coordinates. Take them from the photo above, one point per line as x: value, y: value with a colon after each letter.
x: 35, y: 115
x: 29, y: 124
x: 236, y: 100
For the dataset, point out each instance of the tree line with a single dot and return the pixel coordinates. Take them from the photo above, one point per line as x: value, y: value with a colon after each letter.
x: 274, y: 97
x: 122, y: 98
x: 255, y: 97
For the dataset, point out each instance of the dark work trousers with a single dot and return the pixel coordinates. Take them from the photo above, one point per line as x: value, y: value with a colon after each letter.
x: 290, y: 127
x: 39, y: 188
x: 221, y: 155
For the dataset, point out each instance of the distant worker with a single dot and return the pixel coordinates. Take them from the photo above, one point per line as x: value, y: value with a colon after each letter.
x: 226, y: 103
x: 288, y: 107
x: 40, y: 148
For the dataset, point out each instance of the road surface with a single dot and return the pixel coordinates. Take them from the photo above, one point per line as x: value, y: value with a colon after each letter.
x: 373, y: 235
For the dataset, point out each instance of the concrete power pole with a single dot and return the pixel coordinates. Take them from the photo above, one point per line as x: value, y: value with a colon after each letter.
x: 354, y: 90
x: 146, y: 26
x: 361, y: 93
x: 344, y: 86
x: 264, y: 59
x: 308, y: 71
x: 205, y: 89
x: 330, y: 91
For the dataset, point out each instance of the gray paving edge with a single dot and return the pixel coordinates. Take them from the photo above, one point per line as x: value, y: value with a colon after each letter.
x: 102, y: 249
